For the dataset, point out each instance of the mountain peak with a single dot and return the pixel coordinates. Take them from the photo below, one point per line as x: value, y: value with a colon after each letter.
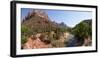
x: 40, y: 13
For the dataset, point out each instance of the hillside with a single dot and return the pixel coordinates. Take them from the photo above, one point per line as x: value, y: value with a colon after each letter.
x: 37, y: 25
x: 82, y: 34
x: 38, y: 21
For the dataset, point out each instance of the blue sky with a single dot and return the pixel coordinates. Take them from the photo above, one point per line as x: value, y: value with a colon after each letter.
x: 69, y: 17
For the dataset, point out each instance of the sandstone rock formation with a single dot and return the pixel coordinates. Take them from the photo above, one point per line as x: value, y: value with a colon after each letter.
x: 36, y: 42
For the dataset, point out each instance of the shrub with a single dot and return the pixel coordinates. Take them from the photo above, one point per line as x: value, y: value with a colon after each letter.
x: 23, y: 39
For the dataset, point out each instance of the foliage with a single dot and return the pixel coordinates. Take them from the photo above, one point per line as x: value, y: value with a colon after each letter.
x: 52, y: 31
x: 23, y: 39
x: 25, y: 32
x: 82, y: 30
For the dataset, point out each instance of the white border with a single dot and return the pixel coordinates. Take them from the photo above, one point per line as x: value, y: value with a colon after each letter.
x: 19, y: 51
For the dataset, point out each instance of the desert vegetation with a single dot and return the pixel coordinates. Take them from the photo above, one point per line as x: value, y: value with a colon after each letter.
x: 38, y: 31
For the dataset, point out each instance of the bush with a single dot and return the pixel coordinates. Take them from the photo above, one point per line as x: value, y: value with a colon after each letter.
x: 26, y: 31
x: 23, y: 39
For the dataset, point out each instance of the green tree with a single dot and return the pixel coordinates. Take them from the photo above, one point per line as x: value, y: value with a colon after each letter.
x: 82, y: 30
x: 25, y: 32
